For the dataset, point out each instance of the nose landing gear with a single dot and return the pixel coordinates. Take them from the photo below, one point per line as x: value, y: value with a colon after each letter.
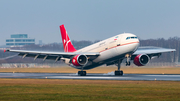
x: 128, y: 57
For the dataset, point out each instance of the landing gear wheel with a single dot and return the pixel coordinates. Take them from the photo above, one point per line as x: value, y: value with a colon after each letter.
x: 82, y: 73
x: 128, y: 63
x: 118, y: 73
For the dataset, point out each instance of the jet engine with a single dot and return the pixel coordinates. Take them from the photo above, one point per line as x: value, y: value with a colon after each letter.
x: 141, y: 60
x: 79, y: 60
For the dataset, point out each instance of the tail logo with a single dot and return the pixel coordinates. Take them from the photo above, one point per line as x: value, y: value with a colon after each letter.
x: 68, y: 47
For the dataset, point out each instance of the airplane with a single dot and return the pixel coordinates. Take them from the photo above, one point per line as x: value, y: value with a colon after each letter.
x: 109, y: 51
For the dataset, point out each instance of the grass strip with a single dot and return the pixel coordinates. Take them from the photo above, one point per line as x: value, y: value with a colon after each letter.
x: 88, y: 90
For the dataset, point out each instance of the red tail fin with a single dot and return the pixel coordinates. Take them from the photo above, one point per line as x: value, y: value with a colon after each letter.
x: 68, y: 47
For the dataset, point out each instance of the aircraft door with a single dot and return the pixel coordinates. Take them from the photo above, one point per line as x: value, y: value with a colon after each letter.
x: 118, y: 43
x: 120, y: 48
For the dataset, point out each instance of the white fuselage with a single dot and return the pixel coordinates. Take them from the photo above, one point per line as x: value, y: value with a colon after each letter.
x: 111, y: 49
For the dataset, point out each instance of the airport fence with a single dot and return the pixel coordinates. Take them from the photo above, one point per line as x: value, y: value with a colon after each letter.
x: 57, y: 65
x: 31, y: 65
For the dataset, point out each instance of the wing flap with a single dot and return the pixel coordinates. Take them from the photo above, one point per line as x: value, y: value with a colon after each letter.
x: 151, y: 51
x: 53, y: 55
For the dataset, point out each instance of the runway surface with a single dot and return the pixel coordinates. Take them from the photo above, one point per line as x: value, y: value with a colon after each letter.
x: 108, y: 76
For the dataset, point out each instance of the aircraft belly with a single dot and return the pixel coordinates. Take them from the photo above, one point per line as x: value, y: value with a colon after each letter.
x: 94, y: 65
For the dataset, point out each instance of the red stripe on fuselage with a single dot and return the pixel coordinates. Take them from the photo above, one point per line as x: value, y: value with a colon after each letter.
x: 118, y: 46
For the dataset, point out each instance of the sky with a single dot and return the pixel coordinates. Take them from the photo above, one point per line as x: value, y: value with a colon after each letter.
x: 89, y: 19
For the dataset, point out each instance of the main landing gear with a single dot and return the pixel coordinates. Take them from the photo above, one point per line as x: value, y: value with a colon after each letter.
x: 82, y: 73
x: 119, y: 72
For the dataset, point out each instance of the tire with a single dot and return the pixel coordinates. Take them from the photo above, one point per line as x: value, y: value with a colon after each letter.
x: 118, y: 73
x: 82, y: 73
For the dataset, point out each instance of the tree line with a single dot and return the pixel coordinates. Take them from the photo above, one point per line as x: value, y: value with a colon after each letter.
x: 172, y: 42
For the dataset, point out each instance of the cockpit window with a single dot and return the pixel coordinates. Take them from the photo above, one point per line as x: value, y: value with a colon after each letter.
x: 127, y: 38
x: 131, y: 38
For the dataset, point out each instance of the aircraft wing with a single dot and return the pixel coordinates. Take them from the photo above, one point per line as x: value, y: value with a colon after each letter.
x: 151, y: 51
x: 52, y: 55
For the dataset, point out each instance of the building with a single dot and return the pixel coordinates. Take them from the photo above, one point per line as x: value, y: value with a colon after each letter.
x: 19, y: 40
x: 40, y: 42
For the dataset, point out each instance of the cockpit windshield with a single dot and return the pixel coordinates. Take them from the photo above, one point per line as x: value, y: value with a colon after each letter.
x: 131, y: 38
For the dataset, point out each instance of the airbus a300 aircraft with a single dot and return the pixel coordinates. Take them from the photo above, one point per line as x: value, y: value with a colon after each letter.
x: 110, y: 51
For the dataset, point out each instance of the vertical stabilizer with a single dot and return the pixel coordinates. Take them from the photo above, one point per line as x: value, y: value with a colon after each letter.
x: 68, y: 47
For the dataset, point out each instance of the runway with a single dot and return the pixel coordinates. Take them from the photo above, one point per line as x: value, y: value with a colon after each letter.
x: 108, y: 76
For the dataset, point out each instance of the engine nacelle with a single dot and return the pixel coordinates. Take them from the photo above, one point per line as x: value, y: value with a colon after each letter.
x: 141, y: 60
x: 79, y: 60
